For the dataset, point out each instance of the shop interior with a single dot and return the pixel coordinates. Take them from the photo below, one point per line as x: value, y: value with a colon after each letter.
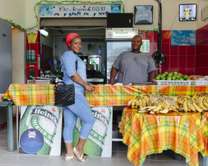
x: 179, y: 48
x: 93, y: 51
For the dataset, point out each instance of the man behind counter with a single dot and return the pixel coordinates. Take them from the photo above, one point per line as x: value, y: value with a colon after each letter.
x: 133, y: 66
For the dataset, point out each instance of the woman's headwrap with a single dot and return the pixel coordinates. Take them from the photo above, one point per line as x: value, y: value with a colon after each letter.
x: 70, y: 37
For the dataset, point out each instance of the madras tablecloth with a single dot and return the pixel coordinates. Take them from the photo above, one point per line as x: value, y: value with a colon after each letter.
x: 148, y: 134
x: 116, y: 95
x: 31, y: 94
x: 104, y: 95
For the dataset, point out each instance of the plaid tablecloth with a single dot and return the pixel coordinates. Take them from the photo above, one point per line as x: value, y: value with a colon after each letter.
x: 116, y: 95
x: 148, y: 134
x: 181, y: 90
x: 112, y: 95
x: 31, y: 94
x: 104, y: 95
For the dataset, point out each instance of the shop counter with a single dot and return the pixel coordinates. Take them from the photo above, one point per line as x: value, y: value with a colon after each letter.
x: 117, y: 95
x: 103, y: 95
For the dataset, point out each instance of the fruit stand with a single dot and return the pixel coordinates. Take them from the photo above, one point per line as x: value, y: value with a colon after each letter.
x: 178, y: 107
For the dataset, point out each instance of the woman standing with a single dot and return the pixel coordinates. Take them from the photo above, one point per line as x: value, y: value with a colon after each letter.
x: 74, y: 70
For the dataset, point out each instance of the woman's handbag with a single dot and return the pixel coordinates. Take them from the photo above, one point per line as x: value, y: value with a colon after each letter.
x: 64, y: 94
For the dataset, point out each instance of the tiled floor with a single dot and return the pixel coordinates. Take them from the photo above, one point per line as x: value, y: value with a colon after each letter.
x: 118, y: 159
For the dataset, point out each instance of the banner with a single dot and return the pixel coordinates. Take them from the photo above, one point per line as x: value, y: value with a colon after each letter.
x: 92, y: 10
x: 99, y: 142
x: 40, y: 130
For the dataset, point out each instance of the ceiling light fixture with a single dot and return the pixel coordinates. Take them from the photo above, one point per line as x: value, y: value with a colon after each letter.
x: 43, y: 32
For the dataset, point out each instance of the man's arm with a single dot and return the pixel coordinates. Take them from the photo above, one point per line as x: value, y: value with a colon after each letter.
x: 113, y: 75
x: 151, y: 76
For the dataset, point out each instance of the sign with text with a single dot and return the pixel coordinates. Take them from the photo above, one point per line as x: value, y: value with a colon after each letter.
x: 99, y: 142
x: 48, y: 10
x: 183, y: 38
x: 40, y: 130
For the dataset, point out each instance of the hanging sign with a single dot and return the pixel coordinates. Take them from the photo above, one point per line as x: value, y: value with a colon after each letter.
x: 48, y: 10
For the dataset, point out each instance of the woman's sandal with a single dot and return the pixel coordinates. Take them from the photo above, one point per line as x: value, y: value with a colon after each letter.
x: 80, y: 156
x: 68, y: 157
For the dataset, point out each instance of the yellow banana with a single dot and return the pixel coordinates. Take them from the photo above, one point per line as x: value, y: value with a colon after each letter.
x: 158, y: 108
x: 201, y: 104
x: 205, y: 102
x: 185, y: 106
x: 197, y: 108
x: 164, y: 111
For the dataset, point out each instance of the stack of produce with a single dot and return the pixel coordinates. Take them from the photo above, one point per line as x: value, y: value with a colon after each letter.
x: 171, y: 76
x: 163, y: 104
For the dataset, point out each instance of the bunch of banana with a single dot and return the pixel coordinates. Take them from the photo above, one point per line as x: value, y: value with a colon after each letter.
x: 165, y: 104
x: 161, y: 106
x: 139, y: 101
x: 196, y: 103
x: 133, y: 103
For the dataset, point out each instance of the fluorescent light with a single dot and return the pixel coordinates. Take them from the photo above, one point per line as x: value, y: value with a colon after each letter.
x: 43, y: 32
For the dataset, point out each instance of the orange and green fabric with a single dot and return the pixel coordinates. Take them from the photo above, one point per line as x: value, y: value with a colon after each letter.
x: 31, y: 94
x: 104, y: 95
x: 147, y: 134
x: 115, y: 95
x: 181, y: 90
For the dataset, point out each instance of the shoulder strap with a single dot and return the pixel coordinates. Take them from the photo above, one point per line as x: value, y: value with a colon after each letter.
x: 76, y: 65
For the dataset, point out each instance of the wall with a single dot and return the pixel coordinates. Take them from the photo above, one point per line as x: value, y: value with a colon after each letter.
x: 201, y: 50
x: 182, y: 58
x: 178, y: 58
x: 170, y: 13
x: 203, y: 4
x: 13, y: 10
x: 18, y: 58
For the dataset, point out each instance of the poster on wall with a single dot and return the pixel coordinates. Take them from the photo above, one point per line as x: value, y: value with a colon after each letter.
x: 49, y: 10
x: 143, y: 14
x: 40, y: 130
x: 99, y: 142
x: 183, y: 38
x: 187, y: 12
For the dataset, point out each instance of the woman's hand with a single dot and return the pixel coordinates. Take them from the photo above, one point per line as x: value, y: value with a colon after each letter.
x: 89, y: 87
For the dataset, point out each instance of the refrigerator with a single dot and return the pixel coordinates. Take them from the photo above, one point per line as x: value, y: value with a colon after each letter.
x: 5, y: 56
x: 117, y: 41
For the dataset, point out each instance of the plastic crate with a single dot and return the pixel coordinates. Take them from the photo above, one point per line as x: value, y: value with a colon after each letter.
x: 175, y: 82
x: 200, y: 82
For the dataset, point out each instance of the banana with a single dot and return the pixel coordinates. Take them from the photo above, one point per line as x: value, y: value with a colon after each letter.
x: 191, y: 107
x: 143, y: 102
x: 205, y: 102
x: 201, y: 104
x: 164, y: 111
x: 158, y: 108
x: 137, y: 104
x: 197, y: 108
x: 185, y: 106
x: 129, y: 103
x: 147, y: 109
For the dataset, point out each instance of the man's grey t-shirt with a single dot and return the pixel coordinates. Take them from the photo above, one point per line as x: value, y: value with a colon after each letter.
x: 133, y: 67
